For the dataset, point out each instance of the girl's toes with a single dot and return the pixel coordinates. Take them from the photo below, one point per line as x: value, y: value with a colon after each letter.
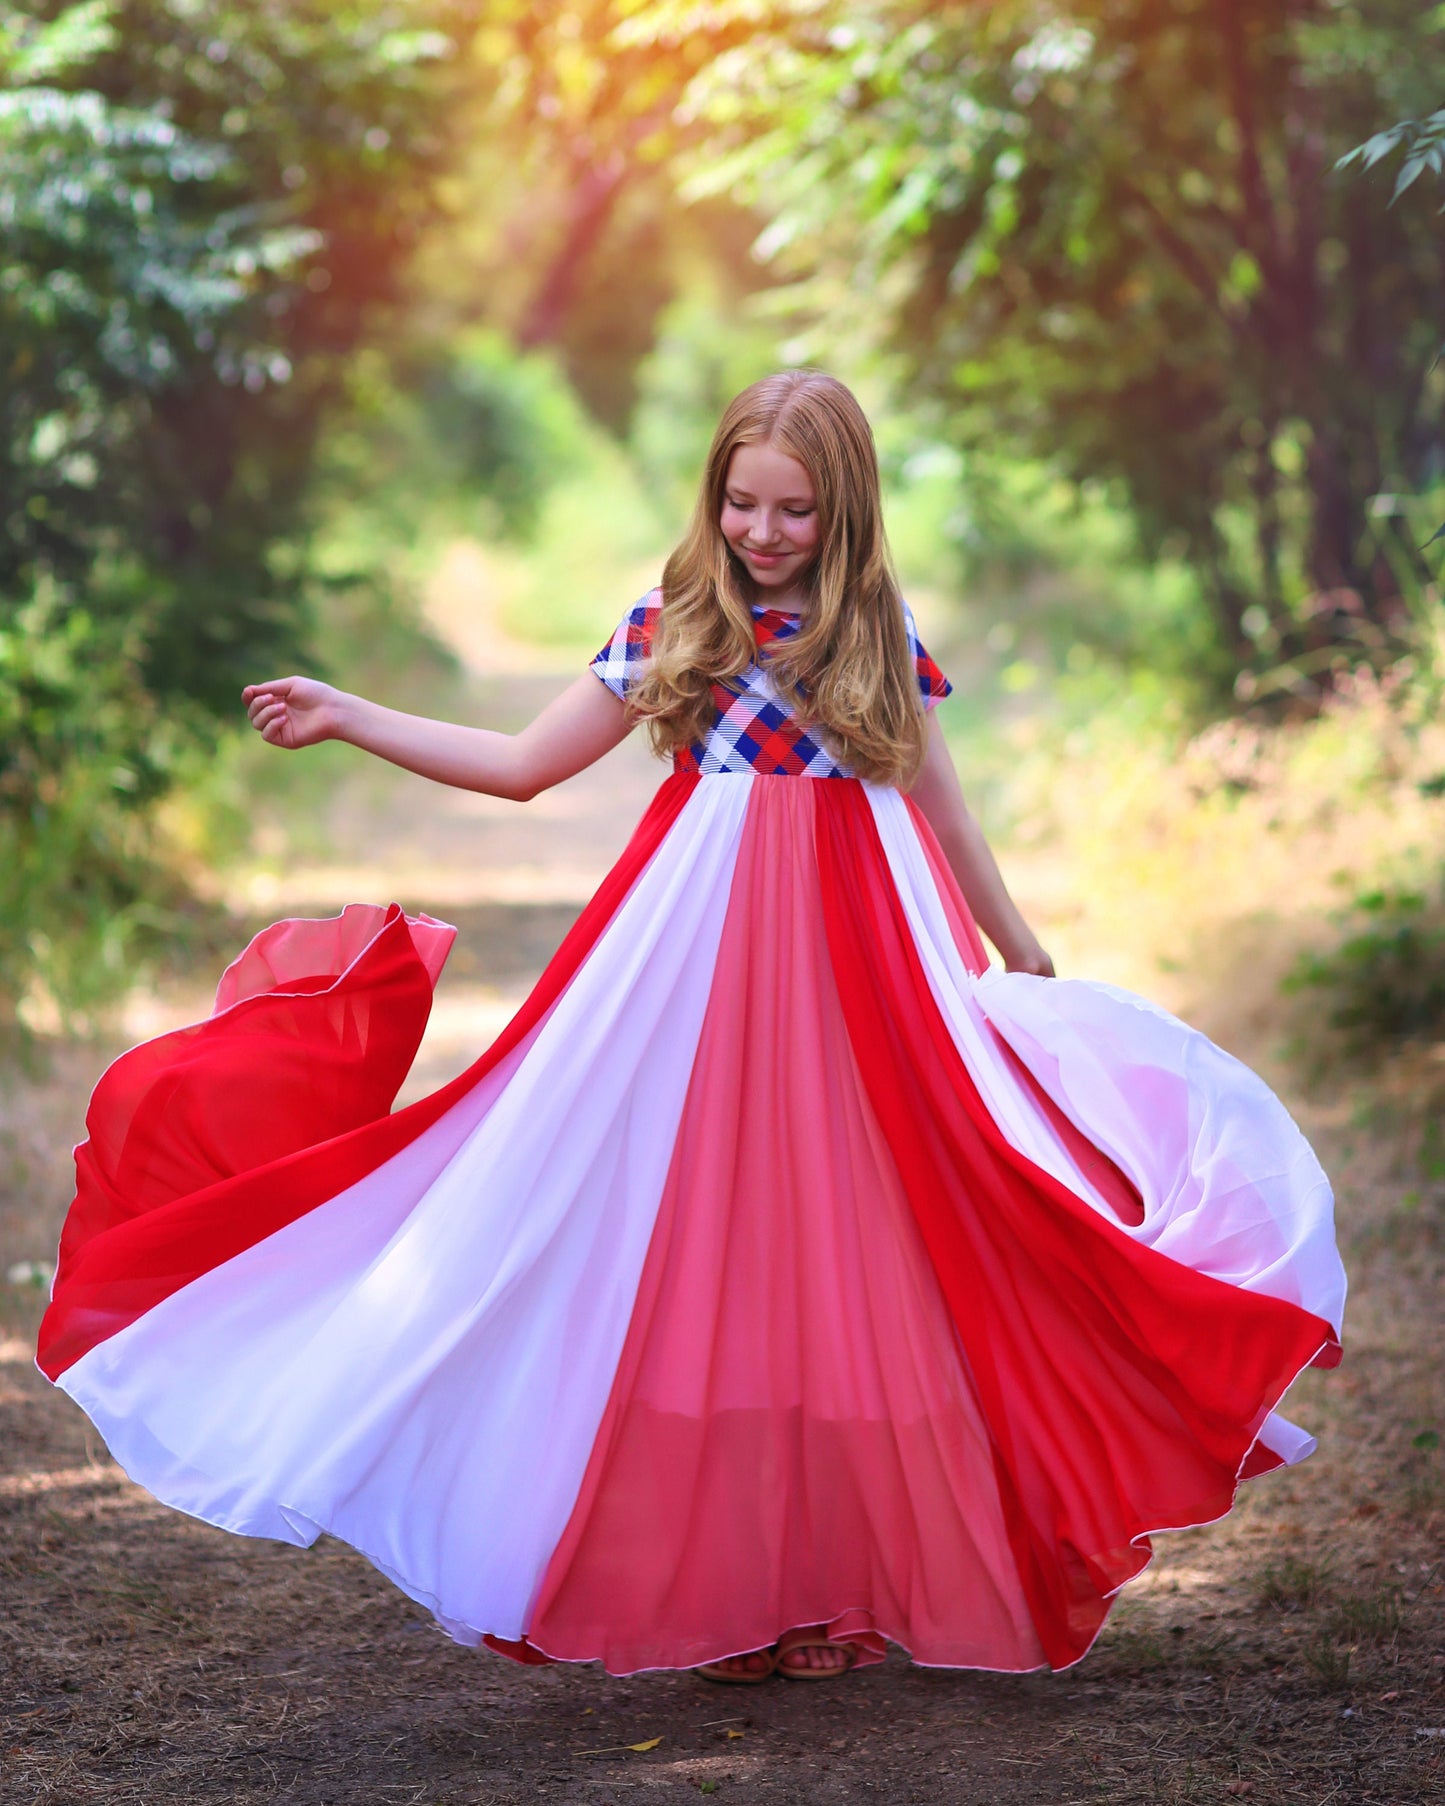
x: 757, y: 1665
x: 803, y: 1657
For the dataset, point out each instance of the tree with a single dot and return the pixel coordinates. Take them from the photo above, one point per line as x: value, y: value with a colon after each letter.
x: 1109, y: 232
x: 570, y: 232
x: 205, y: 209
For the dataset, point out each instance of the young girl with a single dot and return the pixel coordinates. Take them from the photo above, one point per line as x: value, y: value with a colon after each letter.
x: 785, y: 1279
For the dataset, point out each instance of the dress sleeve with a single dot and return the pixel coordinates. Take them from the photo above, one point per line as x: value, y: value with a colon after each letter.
x: 932, y: 684
x: 620, y: 662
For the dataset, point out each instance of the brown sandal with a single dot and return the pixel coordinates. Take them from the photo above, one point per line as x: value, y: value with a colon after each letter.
x: 811, y: 1639
x: 734, y: 1677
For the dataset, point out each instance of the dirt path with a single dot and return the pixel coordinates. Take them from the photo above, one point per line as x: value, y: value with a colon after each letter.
x: 1296, y: 1654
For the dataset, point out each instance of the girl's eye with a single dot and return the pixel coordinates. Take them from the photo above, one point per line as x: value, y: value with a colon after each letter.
x: 798, y: 513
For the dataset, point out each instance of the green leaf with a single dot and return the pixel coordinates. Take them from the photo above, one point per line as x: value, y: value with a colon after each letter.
x: 1373, y: 149
x: 73, y: 38
x: 1409, y: 171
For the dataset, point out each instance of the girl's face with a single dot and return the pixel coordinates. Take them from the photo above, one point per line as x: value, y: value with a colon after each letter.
x: 770, y: 517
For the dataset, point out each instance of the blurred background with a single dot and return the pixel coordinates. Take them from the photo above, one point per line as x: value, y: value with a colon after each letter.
x: 384, y: 340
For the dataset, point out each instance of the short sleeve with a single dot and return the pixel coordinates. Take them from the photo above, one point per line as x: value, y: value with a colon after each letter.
x: 620, y: 663
x: 932, y: 684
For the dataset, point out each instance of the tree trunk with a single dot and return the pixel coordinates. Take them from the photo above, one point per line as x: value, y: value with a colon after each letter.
x: 594, y: 193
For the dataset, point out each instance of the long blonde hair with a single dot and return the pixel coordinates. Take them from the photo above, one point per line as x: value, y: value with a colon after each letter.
x: 848, y: 672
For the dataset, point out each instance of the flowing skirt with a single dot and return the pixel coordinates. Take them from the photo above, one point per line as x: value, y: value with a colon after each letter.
x: 780, y: 1264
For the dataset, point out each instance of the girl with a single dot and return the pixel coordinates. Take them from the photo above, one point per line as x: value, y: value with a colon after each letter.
x: 785, y: 1279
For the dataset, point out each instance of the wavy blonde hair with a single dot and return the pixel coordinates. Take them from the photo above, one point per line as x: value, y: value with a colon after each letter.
x: 848, y: 672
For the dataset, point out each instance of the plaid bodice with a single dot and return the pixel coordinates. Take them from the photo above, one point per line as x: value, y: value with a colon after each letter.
x: 755, y: 730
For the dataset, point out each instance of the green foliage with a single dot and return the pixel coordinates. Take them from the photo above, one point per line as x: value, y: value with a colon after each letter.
x: 570, y: 232
x: 205, y: 210
x: 708, y: 346
x: 1385, y: 978
x: 204, y: 204
x: 440, y: 439
x: 1110, y: 236
x: 82, y: 753
x: 1421, y: 142
x: 601, y: 539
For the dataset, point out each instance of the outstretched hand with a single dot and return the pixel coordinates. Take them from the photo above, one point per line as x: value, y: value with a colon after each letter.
x: 292, y: 711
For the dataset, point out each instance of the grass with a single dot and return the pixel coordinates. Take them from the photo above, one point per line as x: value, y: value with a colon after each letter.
x: 1329, y: 1661
x: 1372, y: 1617
x: 1290, y: 1585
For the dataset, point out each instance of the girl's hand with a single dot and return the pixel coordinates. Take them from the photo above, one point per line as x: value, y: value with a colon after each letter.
x: 1030, y: 958
x: 293, y: 711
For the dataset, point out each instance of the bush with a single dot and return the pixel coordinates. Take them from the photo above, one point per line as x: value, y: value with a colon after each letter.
x: 83, y: 754
x: 1385, y: 980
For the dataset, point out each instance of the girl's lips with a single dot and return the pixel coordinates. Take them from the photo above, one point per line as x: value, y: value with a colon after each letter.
x: 764, y: 558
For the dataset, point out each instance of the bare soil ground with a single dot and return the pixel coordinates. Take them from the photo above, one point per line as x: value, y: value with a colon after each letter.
x: 1295, y: 1653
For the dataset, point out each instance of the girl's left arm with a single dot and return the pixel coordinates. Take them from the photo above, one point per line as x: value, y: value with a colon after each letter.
x: 939, y: 795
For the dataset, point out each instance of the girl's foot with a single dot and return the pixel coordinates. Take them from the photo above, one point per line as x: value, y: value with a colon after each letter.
x: 741, y: 1670
x: 807, y: 1655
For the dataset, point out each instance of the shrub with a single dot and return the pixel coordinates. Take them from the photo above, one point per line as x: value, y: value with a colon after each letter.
x: 1385, y: 979
x: 83, y: 752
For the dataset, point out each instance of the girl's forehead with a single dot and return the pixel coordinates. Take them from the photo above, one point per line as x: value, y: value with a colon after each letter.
x: 766, y: 469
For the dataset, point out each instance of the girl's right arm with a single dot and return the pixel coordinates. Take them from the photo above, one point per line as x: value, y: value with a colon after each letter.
x: 572, y: 732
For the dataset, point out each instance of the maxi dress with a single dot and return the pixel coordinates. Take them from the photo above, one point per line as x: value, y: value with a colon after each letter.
x: 781, y: 1263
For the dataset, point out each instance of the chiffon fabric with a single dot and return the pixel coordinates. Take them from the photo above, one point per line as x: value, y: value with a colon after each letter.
x: 782, y: 1263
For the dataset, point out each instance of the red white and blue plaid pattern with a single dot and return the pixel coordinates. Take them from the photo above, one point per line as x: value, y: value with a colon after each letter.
x: 754, y: 730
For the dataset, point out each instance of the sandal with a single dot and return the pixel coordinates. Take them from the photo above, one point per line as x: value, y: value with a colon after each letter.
x: 740, y: 1677
x: 811, y: 1639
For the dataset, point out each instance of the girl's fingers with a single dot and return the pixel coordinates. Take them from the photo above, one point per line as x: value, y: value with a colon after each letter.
x: 277, y: 687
